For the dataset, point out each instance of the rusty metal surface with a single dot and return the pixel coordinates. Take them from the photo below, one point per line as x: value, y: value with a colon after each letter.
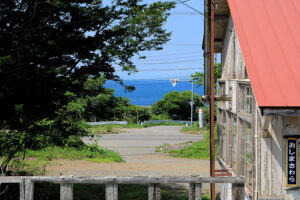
x: 211, y: 105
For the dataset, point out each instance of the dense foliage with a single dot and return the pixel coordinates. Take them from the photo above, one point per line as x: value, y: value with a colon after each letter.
x: 51, y: 50
x: 176, y: 105
x: 198, y: 77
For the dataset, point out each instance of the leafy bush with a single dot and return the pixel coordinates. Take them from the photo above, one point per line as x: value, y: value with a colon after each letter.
x: 160, y: 117
x: 176, y: 105
x: 74, y: 141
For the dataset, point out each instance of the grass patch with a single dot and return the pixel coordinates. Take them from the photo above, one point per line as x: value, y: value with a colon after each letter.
x: 111, y: 128
x: 114, y: 128
x: 193, y: 130
x: 32, y: 167
x: 87, y: 152
x: 197, y: 150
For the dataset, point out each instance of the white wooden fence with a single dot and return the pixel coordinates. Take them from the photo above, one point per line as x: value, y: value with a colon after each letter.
x: 66, y: 185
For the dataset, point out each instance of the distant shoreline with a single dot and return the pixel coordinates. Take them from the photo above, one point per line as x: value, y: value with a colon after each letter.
x: 149, y: 92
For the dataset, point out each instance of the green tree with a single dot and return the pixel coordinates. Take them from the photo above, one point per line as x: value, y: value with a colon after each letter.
x: 176, y: 105
x: 102, y: 104
x: 198, y: 77
x: 199, y: 81
x: 49, y: 49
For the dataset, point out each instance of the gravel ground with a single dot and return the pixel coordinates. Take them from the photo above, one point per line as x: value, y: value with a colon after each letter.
x: 137, y: 147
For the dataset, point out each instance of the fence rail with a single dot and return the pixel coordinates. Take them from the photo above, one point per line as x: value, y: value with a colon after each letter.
x: 166, y: 121
x: 111, y: 191
x: 108, y: 122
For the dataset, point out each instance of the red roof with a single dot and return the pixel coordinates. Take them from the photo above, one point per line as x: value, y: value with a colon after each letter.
x: 269, y: 36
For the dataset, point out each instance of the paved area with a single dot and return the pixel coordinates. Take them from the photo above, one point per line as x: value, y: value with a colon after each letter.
x: 137, y: 147
x: 144, y: 141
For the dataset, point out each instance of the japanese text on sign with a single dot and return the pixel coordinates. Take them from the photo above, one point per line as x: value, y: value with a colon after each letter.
x: 291, y: 161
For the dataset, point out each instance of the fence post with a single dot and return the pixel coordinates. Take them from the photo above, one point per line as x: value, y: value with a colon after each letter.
x: 154, y: 191
x: 157, y: 191
x: 198, y: 191
x: 22, y: 189
x: 66, y: 191
x: 29, y: 189
x: 192, y: 191
x: 111, y: 191
x: 238, y: 191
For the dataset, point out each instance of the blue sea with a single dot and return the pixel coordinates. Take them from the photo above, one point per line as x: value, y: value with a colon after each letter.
x: 147, y: 92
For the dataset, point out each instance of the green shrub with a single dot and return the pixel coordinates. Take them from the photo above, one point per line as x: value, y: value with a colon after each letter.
x: 74, y: 141
x: 109, y: 129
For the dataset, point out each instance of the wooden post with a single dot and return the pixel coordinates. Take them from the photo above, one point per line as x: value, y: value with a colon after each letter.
x: 157, y: 191
x: 151, y: 190
x: 22, y: 189
x: 154, y: 191
x: 238, y: 191
x: 116, y: 192
x: 192, y: 191
x: 198, y: 191
x: 66, y: 191
x: 111, y: 191
x: 29, y: 189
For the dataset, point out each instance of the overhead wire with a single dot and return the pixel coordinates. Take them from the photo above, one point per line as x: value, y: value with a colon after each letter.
x: 85, y: 20
x: 171, y: 62
x: 175, y: 54
x: 202, y: 13
x: 174, y: 69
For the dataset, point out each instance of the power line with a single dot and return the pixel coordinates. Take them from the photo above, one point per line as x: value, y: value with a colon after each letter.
x: 184, y: 44
x: 171, y: 62
x: 185, y: 13
x: 168, y: 58
x: 174, y: 69
x: 201, y: 13
x: 158, y: 79
x: 175, y: 54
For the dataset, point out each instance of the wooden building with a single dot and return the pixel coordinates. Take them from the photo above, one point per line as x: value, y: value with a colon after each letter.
x: 259, y: 129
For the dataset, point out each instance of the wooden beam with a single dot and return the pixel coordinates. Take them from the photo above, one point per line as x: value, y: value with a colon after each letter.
x: 66, y: 191
x: 198, y: 191
x: 281, y: 111
x: 111, y: 192
x: 206, y: 98
x: 238, y: 191
x: 124, y: 180
x: 192, y: 191
x: 154, y: 191
x: 29, y: 189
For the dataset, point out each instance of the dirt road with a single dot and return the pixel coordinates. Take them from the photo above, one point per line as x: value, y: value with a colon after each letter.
x: 137, y: 148
x: 144, y: 141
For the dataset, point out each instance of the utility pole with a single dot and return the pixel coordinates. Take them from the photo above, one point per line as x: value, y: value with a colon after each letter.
x: 192, y: 103
x: 137, y: 115
x: 211, y: 105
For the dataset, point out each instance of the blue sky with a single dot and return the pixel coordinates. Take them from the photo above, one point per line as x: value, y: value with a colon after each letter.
x: 182, y: 52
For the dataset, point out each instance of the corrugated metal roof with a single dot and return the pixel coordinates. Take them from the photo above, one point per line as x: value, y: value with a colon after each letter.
x: 269, y: 36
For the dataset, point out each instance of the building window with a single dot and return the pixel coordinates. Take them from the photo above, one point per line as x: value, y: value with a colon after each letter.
x: 221, y: 88
x: 246, y: 98
x: 248, y: 103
